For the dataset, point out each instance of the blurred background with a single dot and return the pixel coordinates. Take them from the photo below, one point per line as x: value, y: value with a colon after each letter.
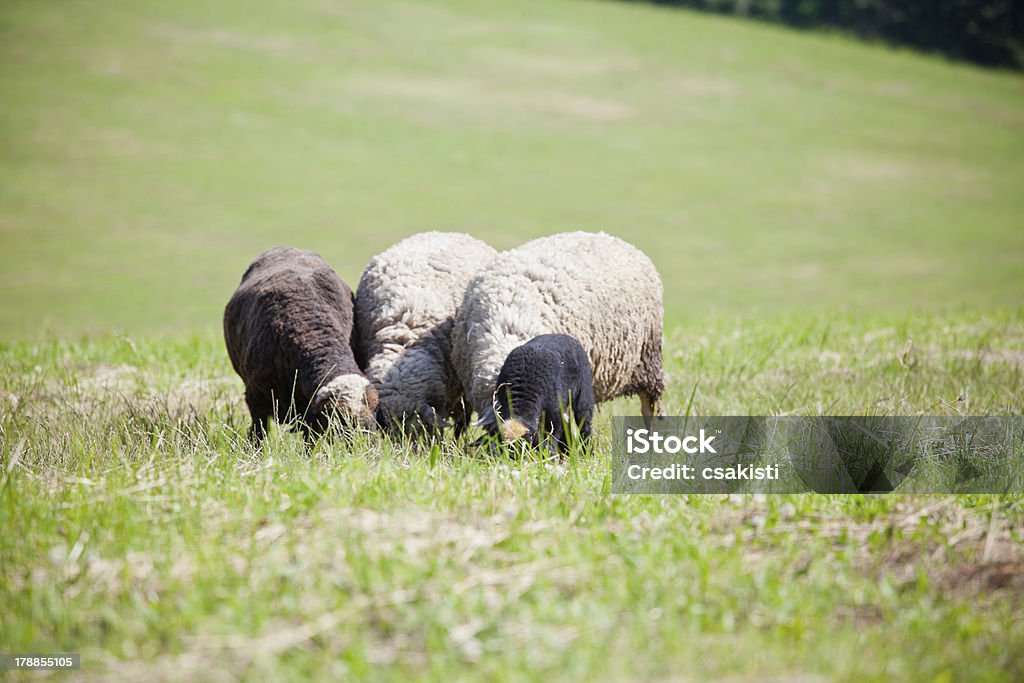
x: 148, y: 151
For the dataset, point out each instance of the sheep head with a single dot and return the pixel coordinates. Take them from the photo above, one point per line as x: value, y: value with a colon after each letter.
x: 424, y: 422
x: 351, y: 397
x: 513, y: 430
x: 510, y: 430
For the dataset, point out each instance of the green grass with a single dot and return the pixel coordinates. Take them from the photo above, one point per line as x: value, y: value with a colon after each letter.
x: 141, y: 529
x: 151, y: 150
x: 839, y: 231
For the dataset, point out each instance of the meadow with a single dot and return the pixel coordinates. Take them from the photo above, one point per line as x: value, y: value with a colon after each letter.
x: 838, y: 227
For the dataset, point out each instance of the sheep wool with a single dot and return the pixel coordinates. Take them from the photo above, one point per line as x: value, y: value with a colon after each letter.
x: 405, y: 307
x: 592, y: 286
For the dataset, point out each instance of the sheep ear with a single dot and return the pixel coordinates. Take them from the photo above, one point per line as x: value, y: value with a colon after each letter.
x: 487, y: 418
x: 316, y: 404
x: 371, y: 397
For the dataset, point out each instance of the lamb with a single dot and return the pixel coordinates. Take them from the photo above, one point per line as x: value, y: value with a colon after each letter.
x: 543, y: 384
x: 287, y: 329
x: 405, y: 307
x: 597, y: 288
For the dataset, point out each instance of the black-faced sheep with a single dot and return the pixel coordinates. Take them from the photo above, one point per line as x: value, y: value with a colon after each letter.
x: 405, y: 307
x: 597, y: 288
x: 542, y: 385
x: 288, y: 328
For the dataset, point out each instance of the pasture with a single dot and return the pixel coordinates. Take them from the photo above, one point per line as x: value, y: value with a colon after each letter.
x: 838, y: 227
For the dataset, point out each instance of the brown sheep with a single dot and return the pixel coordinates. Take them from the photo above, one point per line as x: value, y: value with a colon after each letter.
x: 288, y: 330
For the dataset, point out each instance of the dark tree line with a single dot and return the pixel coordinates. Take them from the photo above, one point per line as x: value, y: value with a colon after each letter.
x: 989, y: 32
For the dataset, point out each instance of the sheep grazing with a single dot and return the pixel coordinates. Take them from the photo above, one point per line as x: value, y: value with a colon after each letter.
x: 543, y: 384
x: 405, y: 307
x: 597, y: 288
x: 287, y: 328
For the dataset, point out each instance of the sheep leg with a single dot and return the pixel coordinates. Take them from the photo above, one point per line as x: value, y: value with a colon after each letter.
x: 551, y: 437
x: 309, y: 435
x: 648, y: 408
x: 260, y: 410
x: 459, y: 416
x: 649, y: 378
x: 584, y: 422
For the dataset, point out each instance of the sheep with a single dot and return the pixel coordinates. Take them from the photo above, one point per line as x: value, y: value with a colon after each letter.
x: 288, y: 329
x: 405, y: 307
x: 597, y: 288
x: 542, y: 385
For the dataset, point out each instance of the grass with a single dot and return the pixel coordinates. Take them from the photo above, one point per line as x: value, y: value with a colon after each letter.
x: 839, y: 231
x: 154, y: 150
x: 141, y: 528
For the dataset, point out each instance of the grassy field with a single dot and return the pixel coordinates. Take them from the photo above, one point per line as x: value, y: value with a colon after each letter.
x: 839, y: 228
x: 141, y: 529
x: 150, y: 151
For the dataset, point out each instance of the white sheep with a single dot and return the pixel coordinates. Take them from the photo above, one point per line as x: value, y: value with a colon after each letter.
x: 405, y: 307
x: 592, y: 286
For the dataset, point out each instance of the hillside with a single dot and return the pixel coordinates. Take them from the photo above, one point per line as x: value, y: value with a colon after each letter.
x: 150, y: 150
